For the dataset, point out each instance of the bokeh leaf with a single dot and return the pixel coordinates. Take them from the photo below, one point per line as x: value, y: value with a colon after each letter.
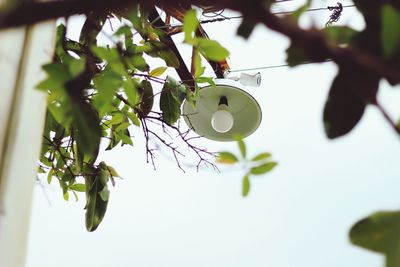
x: 212, y: 49
x: 350, y: 92
x: 263, y: 168
x: 246, y: 28
x: 190, y: 25
x: 242, y: 146
x: 245, y: 186
x: 88, y: 130
x: 379, y: 232
x: 390, y: 33
x: 227, y: 158
x: 261, y: 156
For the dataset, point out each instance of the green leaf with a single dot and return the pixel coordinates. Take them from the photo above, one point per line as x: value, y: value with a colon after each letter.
x: 122, y: 127
x: 90, y: 29
x: 117, y: 118
x: 60, y: 40
x: 134, y: 119
x: 126, y: 139
x: 261, y: 156
x: 146, y: 99
x: 199, y: 69
x: 106, y: 83
x: 390, y: 33
x: 104, y: 194
x: 190, y: 25
x: 158, y: 71
x: 211, y: 49
x: 50, y: 176
x: 130, y: 91
x: 57, y: 75
x: 172, y: 96
x: 76, y: 66
x: 350, y: 92
x: 78, y: 156
x: 78, y: 187
x: 263, y: 168
x: 113, y: 172
x: 160, y: 50
x: 109, y: 55
x: 66, y: 196
x: 104, y: 173
x: 245, y: 186
x: 40, y: 170
x: 88, y: 128
x: 123, y: 30
x: 96, y: 201
x: 379, y: 232
x: 114, y: 140
x: 112, y: 57
x: 139, y: 63
x: 246, y: 28
x: 75, y: 195
x: 227, y: 158
x: 242, y: 146
x: 208, y: 80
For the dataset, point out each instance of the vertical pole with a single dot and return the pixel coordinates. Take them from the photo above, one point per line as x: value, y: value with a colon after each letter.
x: 22, y: 53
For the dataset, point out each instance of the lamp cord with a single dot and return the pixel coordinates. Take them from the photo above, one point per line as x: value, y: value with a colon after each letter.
x: 278, y: 66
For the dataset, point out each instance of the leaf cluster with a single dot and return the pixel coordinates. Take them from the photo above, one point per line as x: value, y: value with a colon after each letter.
x: 100, y: 93
x: 254, y: 167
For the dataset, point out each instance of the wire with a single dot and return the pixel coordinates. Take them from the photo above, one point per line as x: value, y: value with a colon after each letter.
x: 278, y: 66
x: 239, y: 17
x: 279, y: 13
x: 213, y: 14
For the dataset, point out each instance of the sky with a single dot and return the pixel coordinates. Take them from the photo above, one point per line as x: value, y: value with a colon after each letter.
x: 297, y: 215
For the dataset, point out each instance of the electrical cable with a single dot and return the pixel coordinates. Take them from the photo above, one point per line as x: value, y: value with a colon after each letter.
x: 276, y: 13
x: 223, y: 18
x: 278, y: 66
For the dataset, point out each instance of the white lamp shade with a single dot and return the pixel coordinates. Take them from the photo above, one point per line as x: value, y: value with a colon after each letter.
x: 210, y: 121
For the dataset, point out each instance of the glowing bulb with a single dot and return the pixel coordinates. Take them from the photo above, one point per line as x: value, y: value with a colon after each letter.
x: 222, y: 120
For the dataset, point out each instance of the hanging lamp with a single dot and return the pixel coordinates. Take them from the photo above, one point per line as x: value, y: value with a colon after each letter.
x: 226, y: 110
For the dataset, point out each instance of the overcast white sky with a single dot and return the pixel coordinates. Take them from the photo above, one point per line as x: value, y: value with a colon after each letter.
x: 298, y: 215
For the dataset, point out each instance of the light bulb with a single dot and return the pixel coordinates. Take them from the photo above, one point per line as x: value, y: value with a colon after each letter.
x: 222, y: 120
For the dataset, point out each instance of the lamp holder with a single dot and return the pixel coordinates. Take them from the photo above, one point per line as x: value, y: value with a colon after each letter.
x: 253, y: 80
x: 223, y: 101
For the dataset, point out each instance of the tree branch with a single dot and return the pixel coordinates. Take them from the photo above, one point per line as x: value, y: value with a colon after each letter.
x: 182, y: 71
x: 312, y: 41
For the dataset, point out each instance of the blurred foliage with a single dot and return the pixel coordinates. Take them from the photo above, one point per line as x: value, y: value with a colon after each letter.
x: 352, y: 90
x: 258, y: 165
x: 380, y: 233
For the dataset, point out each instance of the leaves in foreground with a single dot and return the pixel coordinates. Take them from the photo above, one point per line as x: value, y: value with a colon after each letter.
x: 351, y: 90
x: 380, y: 232
x: 260, y: 164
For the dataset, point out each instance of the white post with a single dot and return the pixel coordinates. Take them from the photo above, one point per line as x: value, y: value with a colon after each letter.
x: 22, y: 114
